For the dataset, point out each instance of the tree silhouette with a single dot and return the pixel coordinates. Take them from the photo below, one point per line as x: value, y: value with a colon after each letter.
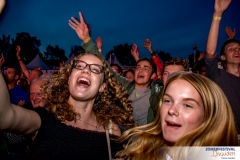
x: 123, y: 54
x: 76, y: 50
x: 53, y: 55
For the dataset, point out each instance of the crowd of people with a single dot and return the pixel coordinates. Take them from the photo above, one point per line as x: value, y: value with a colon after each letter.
x: 91, y: 109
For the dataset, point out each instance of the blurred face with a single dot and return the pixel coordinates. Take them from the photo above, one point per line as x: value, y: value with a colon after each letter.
x: 181, y: 112
x: 85, y: 80
x: 36, y: 94
x: 143, y: 74
x: 10, y: 75
x: 115, y: 68
x: 232, y: 53
x: 168, y: 70
x: 130, y: 76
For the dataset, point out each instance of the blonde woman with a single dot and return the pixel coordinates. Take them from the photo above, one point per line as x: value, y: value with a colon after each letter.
x: 193, y: 112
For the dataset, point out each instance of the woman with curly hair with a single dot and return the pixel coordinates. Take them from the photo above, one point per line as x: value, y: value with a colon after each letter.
x: 193, y: 112
x: 86, y: 105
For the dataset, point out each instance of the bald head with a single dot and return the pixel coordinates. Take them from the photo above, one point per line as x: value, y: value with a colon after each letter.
x: 34, y: 74
x: 36, y: 93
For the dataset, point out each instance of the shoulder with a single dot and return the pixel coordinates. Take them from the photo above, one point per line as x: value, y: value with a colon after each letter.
x: 114, y: 129
x: 156, y: 86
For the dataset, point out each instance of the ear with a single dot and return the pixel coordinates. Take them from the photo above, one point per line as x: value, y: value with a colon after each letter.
x: 17, y: 77
x: 102, y: 87
x: 223, y: 57
x: 153, y: 75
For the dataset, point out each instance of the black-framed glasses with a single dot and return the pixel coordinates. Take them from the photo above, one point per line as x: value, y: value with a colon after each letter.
x: 94, y: 68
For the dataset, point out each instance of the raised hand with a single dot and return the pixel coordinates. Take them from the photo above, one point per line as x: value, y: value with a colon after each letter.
x: 2, y: 60
x: 80, y: 27
x: 135, y: 52
x: 221, y: 5
x: 21, y: 103
x: 18, y: 50
x: 61, y: 63
x: 148, y: 45
x: 201, y: 56
x: 230, y: 33
x: 99, y: 44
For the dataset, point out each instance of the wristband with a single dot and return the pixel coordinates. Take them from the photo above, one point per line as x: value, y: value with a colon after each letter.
x: 87, y: 40
x: 217, y: 18
x: 153, y: 54
x: 19, y: 59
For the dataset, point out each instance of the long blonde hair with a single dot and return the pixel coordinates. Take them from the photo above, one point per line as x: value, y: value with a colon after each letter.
x: 217, y: 129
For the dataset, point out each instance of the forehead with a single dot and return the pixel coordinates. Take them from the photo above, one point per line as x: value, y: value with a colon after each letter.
x: 182, y: 86
x: 90, y: 59
x: 10, y: 69
x: 144, y: 64
x: 231, y: 44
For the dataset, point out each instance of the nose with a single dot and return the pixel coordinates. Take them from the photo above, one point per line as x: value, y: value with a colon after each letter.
x: 173, y: 110
x: 86, y: 69
x: 237, y: 49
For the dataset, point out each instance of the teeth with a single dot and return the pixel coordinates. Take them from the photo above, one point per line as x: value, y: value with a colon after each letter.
x: 83, y: 79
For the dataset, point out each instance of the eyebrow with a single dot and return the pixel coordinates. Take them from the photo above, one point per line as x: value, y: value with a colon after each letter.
x: 143, y: 66
x: 184, y: 99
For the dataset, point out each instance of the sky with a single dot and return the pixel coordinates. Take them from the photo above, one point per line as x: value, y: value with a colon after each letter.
x: 173, y: 26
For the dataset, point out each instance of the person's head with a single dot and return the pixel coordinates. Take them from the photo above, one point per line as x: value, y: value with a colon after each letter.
x: 34, y: 74
x: 12, y: 75
x: 230, y: 51
x: 193, y: 112
x: 191, y: 107
x: 24, y: 84
x: 129, y: 74
x: 117, y: 68
x: 88, y: 79
x: 36, y: 94
x: 172, y: 66
x: 145, y: 71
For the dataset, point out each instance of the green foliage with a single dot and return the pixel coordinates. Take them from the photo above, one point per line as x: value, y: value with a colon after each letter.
x: 54, y: 55
x: 76, y: 50
x: 164, y: 56
x: 29, y: 49
x: 123, y: 54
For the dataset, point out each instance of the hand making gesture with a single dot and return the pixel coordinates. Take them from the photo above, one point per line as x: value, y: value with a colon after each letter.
x: 148, y: 45
x: 80, y: 27
x: 99, y: 44
x: 1, y: 62
x: 135, y: 52
x: 220, y: 6
x: 230, y: 33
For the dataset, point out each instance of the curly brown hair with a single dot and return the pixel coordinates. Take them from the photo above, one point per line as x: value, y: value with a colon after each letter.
x: 111, y: 104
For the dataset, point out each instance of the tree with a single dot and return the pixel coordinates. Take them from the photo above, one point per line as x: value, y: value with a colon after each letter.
x: 164, y: 56
x: 29, y: 48
x: 76, y: 50
x: 53, y: 55
x: 123, y: 54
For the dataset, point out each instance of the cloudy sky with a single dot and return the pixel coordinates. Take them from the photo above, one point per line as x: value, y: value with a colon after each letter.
x: 172, y: 25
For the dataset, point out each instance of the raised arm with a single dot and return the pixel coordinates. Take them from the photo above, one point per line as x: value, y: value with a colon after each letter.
x: 135, y: 52
x: 21, y: 63
x: 230, y: 33
x: 99, y: 44
x: 156, y: 59
x: 81, y: 28
x: 12, y: 117
x: 219, y: 7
